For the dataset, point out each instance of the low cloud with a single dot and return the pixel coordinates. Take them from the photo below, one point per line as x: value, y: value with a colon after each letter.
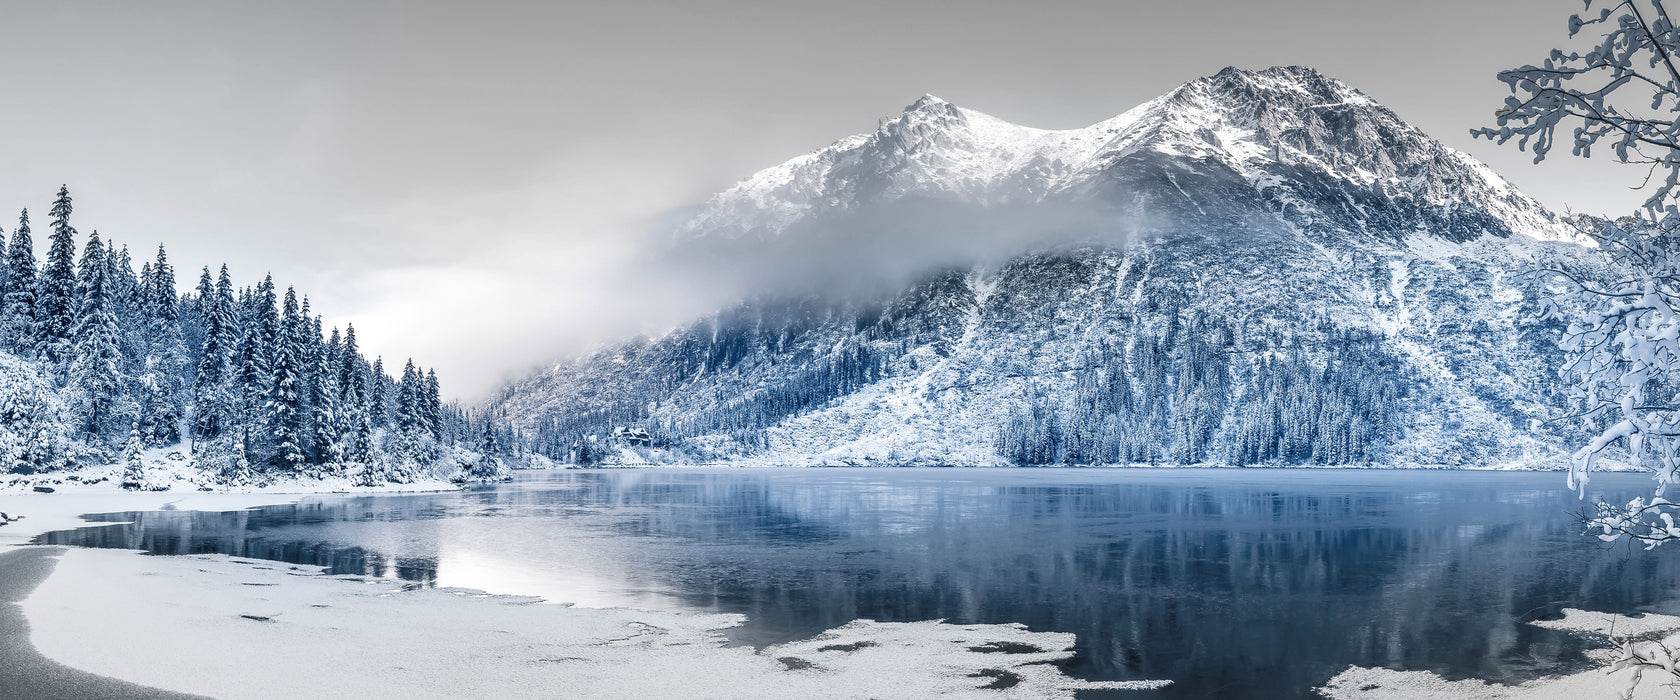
x: 881, y: 248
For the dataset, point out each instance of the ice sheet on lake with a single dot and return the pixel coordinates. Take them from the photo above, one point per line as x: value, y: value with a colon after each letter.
x: 1357, y: 683
x: 946, y: 657
x: 233, y: 628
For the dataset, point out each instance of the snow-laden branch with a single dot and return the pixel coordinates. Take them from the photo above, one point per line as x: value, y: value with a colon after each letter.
x: 1624, y: 369
x: 1623, y: 91
x: 1624, y: 343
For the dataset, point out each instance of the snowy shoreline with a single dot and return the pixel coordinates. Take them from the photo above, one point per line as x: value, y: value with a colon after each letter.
x: 456, y: 642
x: 767, y: 464
x: 1357, y: 683
x: 169, y: 469
x: 213, y: 609
x: 183, y: 481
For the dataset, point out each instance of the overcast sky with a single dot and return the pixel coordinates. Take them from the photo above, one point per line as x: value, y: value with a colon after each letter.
x: 460, y: 179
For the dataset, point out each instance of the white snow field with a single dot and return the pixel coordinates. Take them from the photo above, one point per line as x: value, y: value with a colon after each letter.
x: 168, y: 470
x: 1387, y: 684
x: 236, y: 628
x: 233, y: 628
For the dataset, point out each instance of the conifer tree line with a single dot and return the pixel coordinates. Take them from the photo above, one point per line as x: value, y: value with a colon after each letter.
x: 246, y: 375
x: 1193, y: 395
x: 848, y: 369
x: 1169, y: 387
x: 716, y: 346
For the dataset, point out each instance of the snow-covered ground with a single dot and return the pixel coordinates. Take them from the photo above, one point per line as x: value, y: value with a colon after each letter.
x: 1387, y: 684
x: 348, y: 636
x: 170, y: 470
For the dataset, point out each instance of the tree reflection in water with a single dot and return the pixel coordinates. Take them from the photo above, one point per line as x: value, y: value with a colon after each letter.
x: 1235, y: 583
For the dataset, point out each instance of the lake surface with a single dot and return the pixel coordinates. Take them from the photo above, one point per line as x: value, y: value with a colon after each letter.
x: 1240, y: 583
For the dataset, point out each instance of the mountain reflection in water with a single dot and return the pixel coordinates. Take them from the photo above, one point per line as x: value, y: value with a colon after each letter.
x: 1233, y: 583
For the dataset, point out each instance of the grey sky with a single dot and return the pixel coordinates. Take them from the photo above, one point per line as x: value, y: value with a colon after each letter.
x: 460, y: 180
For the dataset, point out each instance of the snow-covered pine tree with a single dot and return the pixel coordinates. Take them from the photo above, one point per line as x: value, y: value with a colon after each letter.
x: 351, y: 378
x: 34, y: 421
x: 489, y: 465
x: 355, y: 425
x: 191, y: 321
x: 332, y: 354
x: 55, y: 295
x: 488, y: 442
x: 381, y: 396
x: 165, y: 370
x: 161, y: 302
x: 306, y: 339
x: 134, y: 465
x: 411, y: 408
x: 126, y: 303
x: 432, y: 405
x: 252, y: 365
x: 283, y: 401
x: 326, y: 425
x: 139, y: 295
x: 126, y: 294
x: 206, y: 289
x: 322, y: 373
x: 95, y: 369
x: 213, y: 401
x: 265, y: 313
x: 17, y: 307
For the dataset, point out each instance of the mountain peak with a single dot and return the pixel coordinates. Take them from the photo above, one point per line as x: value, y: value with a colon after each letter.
x: 1298, y: 73
x: 1286, y: 131
x: 927, y: 101
x: 1280, y: 88
x: 926, y: 113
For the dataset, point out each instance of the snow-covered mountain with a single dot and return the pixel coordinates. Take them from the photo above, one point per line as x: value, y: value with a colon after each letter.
x: 1289, y: 134
x: 1264, y: 267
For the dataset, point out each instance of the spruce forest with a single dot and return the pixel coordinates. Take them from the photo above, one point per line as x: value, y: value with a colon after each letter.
x: 97, y: 360
x: 1164, y: 386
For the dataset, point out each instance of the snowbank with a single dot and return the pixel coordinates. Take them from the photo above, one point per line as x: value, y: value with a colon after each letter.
x: 169, y: 469
x: 233, y: 628
x: 1387, y: 684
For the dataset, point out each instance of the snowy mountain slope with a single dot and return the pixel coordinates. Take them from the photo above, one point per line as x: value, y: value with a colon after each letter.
x: 1274, y: 269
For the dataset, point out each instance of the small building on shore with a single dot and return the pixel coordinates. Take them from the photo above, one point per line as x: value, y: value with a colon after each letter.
x: 634, y: 437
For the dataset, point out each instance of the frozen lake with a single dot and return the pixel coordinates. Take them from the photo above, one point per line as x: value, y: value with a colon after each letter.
x: 1232, y: 583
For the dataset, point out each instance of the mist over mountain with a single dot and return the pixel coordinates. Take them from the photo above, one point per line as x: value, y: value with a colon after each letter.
x: 1259, y: 267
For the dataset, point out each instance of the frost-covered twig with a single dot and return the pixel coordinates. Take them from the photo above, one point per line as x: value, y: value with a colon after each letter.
x: 1624, y: 364
x: 1592, y: 92
x: 1640, y: 655
x: 1651, y: 523
x: 1624, y: 341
